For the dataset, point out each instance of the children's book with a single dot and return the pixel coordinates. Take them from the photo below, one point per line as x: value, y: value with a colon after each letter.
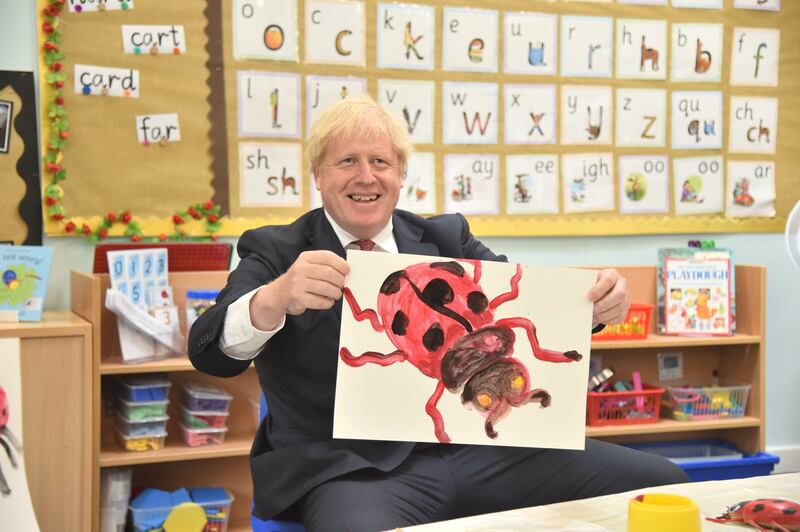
x: 696, y: 292
x: 25, y: 272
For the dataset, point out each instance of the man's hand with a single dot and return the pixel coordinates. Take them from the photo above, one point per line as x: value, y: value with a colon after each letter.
x: 610, y: 298
x: 314, y: 281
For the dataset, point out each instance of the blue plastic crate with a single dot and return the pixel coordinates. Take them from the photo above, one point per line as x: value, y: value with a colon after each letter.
x: 712, y: 459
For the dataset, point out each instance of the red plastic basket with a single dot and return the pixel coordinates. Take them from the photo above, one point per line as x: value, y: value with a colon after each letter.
x: 624, y: 408
x: 635, y: 327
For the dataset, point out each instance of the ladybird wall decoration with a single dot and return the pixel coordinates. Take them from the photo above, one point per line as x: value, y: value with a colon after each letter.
x: 463, y: 351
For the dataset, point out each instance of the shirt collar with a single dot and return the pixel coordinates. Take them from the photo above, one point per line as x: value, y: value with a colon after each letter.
x: 384, y: 240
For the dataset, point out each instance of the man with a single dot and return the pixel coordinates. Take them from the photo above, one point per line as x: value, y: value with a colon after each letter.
x: 282, y: 308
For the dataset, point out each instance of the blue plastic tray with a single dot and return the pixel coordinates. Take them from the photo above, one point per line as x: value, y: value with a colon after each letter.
x: 723, y: 461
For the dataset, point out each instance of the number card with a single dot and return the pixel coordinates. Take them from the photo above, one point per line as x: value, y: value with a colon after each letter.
x: 134, y: 272
x: 471, y: 184
x: 698, y: 185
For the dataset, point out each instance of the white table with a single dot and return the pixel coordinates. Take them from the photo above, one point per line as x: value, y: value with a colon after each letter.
x: 610, y: 512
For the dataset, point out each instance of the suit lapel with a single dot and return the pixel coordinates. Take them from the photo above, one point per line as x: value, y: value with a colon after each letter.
x: 321, y: 235
x: 409, y: 238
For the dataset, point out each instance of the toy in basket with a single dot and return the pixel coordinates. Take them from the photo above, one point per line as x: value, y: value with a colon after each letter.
x: 625, y: 407
x: 635, y: 327
x: 706, y: 402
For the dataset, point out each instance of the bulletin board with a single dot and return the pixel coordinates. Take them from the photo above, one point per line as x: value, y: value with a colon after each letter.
x: 240, y: 108
x: 19, y: 160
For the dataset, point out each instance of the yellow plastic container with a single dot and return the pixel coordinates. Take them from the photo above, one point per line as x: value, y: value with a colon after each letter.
x: 662, y: 512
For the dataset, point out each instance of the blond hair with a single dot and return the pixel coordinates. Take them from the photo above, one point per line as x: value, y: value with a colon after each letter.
x: 361, y: 116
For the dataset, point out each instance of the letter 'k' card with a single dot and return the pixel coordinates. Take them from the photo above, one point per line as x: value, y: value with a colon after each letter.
x: 463, y: 351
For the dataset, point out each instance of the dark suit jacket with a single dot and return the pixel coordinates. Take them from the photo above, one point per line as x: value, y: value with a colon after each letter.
x: 293, y: 451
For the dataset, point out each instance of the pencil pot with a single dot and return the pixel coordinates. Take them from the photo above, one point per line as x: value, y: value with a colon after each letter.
x: 635, y: 327
x: 624, y: 408
x: 706, y: 402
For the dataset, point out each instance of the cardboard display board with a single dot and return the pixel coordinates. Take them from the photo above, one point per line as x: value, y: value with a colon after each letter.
x: 532, y: 118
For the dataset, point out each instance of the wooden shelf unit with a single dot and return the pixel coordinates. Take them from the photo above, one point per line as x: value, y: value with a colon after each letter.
x: 176, y: 465
x: 56, y: 372
x: 739, y: 359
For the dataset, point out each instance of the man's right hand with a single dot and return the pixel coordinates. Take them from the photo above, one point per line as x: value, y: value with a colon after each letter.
x: 314, y: 281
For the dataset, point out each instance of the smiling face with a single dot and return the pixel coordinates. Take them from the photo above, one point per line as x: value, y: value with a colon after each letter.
x: 359, y: 178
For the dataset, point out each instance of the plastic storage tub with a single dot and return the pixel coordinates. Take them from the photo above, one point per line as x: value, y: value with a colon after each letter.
x: 706, y: 402
x: 138, y: 410
x: 141, y: 443
x: 217, y: 514
x: 712, y: 459
x: 207, y: 436
x: 203, y: 419
x: 202, y: 396
x: 143, y: 427
x: 146, y: 388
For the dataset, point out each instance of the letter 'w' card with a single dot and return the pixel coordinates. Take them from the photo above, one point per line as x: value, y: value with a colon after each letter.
x: 463, y: 351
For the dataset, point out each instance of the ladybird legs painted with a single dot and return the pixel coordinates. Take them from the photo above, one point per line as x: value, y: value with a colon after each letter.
x: 436, y: 416
x: 547, y: 355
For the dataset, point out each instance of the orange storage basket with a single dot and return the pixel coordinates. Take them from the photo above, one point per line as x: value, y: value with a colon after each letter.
x: 624, y: 408
x: 635, y: 327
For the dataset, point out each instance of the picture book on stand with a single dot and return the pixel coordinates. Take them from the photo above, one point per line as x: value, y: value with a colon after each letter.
x: 696, y: 292
x: 25, y: 272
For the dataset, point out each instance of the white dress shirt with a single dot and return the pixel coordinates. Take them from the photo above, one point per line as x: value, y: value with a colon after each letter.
x: 242, y: 341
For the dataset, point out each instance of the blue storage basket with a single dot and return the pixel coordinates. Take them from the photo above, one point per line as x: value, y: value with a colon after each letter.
x: 712, y: 459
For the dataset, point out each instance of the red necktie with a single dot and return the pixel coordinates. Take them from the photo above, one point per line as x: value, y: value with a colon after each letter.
x: 364, y: 245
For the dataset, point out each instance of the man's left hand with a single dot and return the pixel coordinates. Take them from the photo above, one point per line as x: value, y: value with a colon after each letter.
x: 610, y: 298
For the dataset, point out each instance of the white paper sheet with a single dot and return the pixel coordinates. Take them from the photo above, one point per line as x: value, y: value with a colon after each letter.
x: 376, y: 399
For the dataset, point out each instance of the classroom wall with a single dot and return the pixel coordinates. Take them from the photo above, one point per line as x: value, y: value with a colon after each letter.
x: 18, y: 52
